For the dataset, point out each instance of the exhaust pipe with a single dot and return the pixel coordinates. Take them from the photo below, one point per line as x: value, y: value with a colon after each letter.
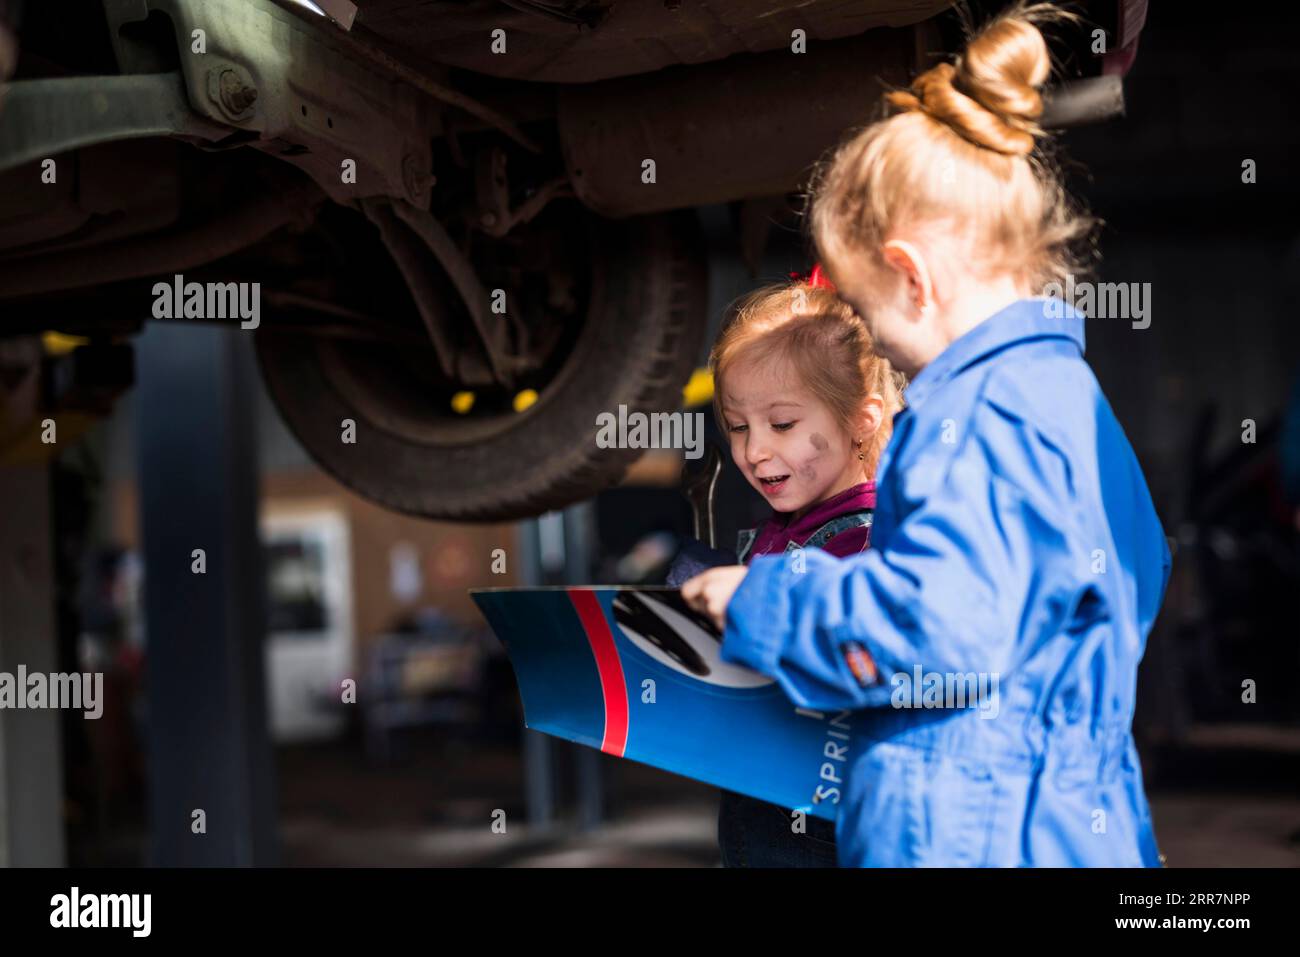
x: 779, y: 111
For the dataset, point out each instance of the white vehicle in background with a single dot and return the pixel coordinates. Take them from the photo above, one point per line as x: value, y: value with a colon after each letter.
x: 310, y: 634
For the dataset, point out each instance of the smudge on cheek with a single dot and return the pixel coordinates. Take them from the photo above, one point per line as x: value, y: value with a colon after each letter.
x: 807, y: 471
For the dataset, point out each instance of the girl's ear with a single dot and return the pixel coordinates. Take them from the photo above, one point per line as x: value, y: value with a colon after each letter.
x: 871, y: 416
x: 907, y: 260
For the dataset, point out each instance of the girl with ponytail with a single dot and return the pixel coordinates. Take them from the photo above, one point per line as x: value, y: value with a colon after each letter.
x: 990, y: 636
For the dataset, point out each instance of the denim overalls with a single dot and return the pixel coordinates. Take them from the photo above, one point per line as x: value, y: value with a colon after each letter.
x: 1016, y: 554
x: 754, y: 833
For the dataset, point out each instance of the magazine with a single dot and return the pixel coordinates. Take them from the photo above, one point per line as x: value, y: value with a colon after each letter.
x: 636, y: 673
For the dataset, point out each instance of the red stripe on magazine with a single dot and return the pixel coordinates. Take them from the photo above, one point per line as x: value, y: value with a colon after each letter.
x: 612, y: 685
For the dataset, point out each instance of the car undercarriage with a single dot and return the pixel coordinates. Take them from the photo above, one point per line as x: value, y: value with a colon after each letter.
x: 471, y: 224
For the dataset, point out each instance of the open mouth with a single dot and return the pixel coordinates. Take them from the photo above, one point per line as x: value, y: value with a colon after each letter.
x: 774, y: 484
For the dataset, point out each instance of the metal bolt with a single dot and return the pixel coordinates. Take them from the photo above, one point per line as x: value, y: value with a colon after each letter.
x: 417, y: 178
x: 236, y: 95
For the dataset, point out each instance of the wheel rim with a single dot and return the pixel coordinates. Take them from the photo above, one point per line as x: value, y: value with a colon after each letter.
x: 402, y: 390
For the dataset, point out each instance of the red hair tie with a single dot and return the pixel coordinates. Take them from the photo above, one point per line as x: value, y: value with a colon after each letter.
x: 816, y: 278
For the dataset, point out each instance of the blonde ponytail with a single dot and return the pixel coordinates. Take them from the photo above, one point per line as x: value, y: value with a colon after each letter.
x: 962, y: 150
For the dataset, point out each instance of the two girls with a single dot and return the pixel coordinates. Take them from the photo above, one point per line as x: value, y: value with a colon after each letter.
x: 1014, y: 542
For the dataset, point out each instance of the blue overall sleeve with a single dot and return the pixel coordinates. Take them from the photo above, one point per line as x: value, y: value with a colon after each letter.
x: 979, y: 561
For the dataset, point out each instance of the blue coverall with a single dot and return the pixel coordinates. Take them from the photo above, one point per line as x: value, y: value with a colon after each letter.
x: 1016, y: 544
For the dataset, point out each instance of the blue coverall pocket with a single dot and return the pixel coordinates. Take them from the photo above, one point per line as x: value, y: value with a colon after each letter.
x: 918, y: 808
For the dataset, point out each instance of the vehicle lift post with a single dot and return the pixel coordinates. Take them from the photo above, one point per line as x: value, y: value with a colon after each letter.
x: 208, y: 743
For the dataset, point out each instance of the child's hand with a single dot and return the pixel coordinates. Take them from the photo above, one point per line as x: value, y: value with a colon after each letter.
x: 710, y: 592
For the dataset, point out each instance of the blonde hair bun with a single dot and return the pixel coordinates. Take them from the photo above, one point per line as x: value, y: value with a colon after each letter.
x: 990, y: 95
x: 961, y: 157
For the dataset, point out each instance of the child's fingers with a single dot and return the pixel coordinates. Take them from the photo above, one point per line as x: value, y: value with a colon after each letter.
x: 702, y: 606
x: 718, y: 611
x: 693, y: 592
x: 713, y: 602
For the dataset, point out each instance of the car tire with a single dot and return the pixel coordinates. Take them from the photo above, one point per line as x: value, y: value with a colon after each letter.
x: 644, y: 319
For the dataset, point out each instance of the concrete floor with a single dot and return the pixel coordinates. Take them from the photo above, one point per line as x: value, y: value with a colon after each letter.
x: 1229, y: 800
x: 435, y: 806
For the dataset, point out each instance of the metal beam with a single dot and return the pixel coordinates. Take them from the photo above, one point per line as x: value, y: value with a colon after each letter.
x: 31, y: 757
x: 43, y: 118
x: 209, y: 748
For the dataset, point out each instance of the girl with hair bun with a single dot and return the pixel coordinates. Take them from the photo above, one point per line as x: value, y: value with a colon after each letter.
x: 990, y: 636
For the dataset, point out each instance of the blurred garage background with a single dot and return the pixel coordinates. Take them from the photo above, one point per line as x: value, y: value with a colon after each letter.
x: 387, y: 730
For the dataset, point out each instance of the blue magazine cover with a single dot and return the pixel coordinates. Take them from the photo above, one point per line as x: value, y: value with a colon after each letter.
x: 637, y: 674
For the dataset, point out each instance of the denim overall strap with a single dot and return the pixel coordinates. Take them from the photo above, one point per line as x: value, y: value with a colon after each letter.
x: 745, y: 539
x: 840, y: 523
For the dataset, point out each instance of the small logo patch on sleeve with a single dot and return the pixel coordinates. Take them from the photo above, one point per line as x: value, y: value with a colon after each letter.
x: 860, y: 663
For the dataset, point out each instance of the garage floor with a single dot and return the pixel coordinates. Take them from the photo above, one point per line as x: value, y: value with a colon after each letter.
x: 1229, y: 801
x: 437, y: 809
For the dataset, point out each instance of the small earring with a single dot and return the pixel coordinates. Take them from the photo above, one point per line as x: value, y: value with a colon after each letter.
x: 861, y: 455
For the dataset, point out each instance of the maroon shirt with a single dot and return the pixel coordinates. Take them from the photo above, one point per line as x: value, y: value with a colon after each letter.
x: 778, y: 531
